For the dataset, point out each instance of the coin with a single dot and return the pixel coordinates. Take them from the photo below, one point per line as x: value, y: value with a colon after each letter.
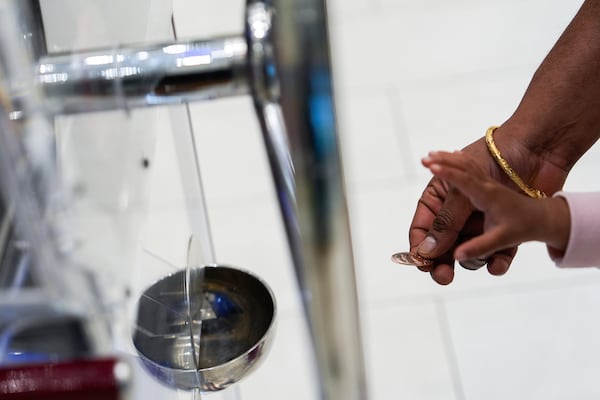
x: 406, y: 258
x: 473, y: 263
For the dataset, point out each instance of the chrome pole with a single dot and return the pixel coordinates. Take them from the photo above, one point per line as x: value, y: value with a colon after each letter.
x: 124, y: 78
x: 29, y: 14
x: 292, y: 88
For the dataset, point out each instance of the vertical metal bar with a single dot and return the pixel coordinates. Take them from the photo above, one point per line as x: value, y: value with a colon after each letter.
x: 32, y: 25
x: 5, y: 229
x: 299, y: 109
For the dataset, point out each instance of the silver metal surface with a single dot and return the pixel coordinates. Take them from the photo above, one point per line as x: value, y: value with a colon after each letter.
x: 123, y: 78
x: 237, y: 322
x: 31, y: 23
x: 6, y: 218
x: 265, y: 90
x: 299, y: 110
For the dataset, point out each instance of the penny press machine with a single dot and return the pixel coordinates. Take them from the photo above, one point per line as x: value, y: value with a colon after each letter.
x: 69, y: 227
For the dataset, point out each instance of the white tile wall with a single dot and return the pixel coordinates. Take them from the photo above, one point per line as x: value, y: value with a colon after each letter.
x: 413, y: 76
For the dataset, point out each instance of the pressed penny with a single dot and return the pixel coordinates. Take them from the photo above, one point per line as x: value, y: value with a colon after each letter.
x: 407, y: 258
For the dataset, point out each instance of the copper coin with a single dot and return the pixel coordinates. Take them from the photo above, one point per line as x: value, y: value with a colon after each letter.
x: 406, y: 258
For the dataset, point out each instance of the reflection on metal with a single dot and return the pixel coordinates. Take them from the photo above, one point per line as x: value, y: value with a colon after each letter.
x: 321, y: 246
x: 236, y: 314
x: 32, y: 26
x: 264, y: 85
x: 283, y: 60
x: 124, y: 78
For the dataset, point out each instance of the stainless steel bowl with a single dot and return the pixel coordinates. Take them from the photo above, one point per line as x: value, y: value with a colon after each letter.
x: 235, y: 321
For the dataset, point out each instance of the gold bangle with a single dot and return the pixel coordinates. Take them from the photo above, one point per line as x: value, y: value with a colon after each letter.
x: 489, y: 140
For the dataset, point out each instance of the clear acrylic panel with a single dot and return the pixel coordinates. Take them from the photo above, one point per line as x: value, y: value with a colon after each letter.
x: 100, y: 167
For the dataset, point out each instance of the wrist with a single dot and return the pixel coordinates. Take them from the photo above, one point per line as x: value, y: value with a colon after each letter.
x: 530, y: 152
x: 519, y: 146
x: 558, y: 223
x: 550, y: 140
x: 506, y: 167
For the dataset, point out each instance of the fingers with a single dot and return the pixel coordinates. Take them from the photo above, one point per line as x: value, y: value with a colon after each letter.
x: 460, y: 171
x: 442, y: 271
x: 446, y: 225
x: 470, y: 187
x: 482, y: 245
x: 499, y: 262
x: 441, y: 214
x: 444, y: 214
x: 431, y: 201
x: 443, y: 274
x: 439, y: 217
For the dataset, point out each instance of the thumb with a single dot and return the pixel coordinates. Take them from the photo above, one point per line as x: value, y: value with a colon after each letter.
x: 445, y: 228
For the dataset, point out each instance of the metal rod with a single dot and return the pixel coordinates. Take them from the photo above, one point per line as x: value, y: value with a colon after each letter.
x: 32, y: 25
x: 292, y: 44
x: 6, y: 216
x: 124, y: 78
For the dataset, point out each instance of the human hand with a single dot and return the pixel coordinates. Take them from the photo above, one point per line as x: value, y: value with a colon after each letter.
x: 555, y: 123
x: 444, y: 217
x: 510, y: 218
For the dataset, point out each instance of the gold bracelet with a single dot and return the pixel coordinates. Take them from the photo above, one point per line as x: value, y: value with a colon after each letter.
x: 489, y: 140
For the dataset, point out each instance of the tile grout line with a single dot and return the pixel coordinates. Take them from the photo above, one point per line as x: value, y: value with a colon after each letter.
x: 395, y: 108
x: 448, y: 344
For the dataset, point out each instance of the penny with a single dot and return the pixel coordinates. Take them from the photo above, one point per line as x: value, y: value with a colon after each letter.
x: 406, y: 258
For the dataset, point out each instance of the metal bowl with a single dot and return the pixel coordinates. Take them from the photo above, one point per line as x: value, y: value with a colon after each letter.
x: 235, y: 322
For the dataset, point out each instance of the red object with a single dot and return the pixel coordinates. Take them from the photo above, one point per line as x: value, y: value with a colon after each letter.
x: 72, y: 380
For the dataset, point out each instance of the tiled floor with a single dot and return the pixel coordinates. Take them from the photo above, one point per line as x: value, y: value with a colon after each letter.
x: 412, y: 76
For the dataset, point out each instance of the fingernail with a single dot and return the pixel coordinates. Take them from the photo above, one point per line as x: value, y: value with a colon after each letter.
x: 427, y: 246
x: 435, y: 168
